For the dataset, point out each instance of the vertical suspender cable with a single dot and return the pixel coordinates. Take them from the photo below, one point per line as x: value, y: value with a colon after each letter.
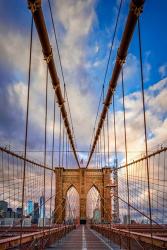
x: 26, y: 133
x: 61, y: 68
x: 115, y: 134
x: 145, y: 127
x: 37, y: 12
x: 104, y: 141
x: 100, y: 152
x: 107, y: 66
x: 135, y: 10
x: 44, y: 170
x: 62, y: 154
x: 95, y: 156
x: 63, y: 133
x: 60, y: 139
x: 116, y: 202
x: 126, y: 157
x: 108, y: 140
x: 3, y: 176
x: 66, y: 150
x: 53, y: 146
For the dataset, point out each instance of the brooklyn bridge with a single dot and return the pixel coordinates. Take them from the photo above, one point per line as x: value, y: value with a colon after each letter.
x: 60, y: 189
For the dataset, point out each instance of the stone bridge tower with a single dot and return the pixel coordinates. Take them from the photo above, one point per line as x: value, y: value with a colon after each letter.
x: 83, y: 180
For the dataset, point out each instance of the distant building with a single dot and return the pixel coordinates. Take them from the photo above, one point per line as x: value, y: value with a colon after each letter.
x: 7, y: 222
x: 27, y: 222
x: 29, y: 207
x: 53, y: 217
x: 36, y: 213
x: 10, y: 213
x: 19, y: 212
x: 44, y: 222
x: 125, y: 219
x: 3, y: 208
x: 42, y: 207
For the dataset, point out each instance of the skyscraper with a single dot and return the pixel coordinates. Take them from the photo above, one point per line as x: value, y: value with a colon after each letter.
x: 29, y: 207
x: 36, y: 213
x: 42, y: 207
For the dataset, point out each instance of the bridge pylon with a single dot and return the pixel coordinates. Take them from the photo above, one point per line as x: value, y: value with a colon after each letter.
x: 82, y: 180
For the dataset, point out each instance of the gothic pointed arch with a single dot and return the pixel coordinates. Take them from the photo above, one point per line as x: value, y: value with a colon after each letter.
x: 93, y: 203
x: 69, y: 186
x: 72, y: 205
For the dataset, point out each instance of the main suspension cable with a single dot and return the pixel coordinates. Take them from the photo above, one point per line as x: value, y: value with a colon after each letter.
x: 134, y: 11
x: 37, y: 13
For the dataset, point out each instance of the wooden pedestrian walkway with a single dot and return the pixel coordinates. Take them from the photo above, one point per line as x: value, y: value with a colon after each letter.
x: 83, y: 238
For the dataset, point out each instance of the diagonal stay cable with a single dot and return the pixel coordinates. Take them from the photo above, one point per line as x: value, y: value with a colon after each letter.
x: 39, y: 20
x: 106, y: 71
x: 134, y: 12
x: 61, y: 67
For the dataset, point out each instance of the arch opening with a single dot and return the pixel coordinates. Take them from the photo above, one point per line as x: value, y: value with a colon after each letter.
x: 93, y: 205
x: 72, y: 208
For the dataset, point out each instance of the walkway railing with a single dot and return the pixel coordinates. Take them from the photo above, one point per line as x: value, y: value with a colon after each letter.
x: 137, y: 238
x: 34, y: 240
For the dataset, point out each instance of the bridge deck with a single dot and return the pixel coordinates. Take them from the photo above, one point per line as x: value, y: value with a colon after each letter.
x: 83, y: 238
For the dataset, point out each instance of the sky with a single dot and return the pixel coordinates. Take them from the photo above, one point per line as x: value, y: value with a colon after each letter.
x: 84, y: 31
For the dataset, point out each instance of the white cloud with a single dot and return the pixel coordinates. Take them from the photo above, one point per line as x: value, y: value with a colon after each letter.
x: 163, y: 70
x: 156, y: 104
x: 72, y: 47
x: 97, y: 48
x: 156, y: 98
x: 132, y: 69
x: 158, y: 86
x: 83, y: 103
x: 77, y: 19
